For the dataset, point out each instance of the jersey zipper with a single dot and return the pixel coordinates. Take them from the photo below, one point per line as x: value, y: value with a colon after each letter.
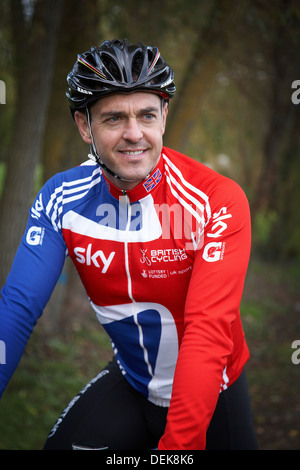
x: 129, y: 284
x: 127, y: 228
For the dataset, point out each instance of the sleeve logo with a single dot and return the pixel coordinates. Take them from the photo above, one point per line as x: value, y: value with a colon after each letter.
x: 35, y: 235
x: 214, y: 251
x: 38, y: 207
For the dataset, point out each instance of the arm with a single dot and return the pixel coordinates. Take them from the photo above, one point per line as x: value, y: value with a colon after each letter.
x: 212, y: 321
x: 36, y: 268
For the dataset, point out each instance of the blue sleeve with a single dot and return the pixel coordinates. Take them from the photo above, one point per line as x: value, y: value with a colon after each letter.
x: 37, y: 266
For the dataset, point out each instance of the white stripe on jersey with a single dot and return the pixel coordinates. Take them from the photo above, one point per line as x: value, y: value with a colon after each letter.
x: 170, y: 179
x: 148, y: 232
x: 192, y: 188
x: 74, y: 190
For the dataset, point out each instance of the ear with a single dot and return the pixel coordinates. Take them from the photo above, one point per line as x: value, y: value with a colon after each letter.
x: 83, y: 127
x: 164, y: 116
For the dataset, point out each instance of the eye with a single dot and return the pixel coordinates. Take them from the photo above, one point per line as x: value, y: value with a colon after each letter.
x: 114, y: 119
x: 148, y: 117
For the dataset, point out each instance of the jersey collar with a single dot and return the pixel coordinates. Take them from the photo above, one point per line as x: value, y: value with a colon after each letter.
x: 142, y: 189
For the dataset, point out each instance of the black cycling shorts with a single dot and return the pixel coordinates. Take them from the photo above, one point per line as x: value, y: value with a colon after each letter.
x: 109, y: 414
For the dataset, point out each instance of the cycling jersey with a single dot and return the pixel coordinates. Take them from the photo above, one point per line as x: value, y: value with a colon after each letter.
x: 163, y: 266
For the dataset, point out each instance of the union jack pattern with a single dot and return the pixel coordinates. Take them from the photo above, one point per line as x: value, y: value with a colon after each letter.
x: 151, y: 182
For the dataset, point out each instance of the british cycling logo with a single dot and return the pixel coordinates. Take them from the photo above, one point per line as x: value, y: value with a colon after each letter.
x: 2, y: 92
x: 164, y: 256
x: 2, y: 352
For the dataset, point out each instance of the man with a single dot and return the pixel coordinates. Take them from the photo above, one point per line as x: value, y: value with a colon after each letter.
x: 161, y: 244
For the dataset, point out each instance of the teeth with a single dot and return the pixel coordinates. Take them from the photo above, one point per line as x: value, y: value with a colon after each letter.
x: 137, y: 152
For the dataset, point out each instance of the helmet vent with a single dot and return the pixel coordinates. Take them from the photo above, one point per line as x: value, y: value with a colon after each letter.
x: 137, y: 65
x: 111, y: 67
x: 91, y: 60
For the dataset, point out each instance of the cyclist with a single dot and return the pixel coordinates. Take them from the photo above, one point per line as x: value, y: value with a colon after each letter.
x: 161, y: 244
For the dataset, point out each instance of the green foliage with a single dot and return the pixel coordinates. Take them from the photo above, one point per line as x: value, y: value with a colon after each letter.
x: 263, y: 228
x: 270, y: 316
x: 2, y: 176
x: 52, y: 371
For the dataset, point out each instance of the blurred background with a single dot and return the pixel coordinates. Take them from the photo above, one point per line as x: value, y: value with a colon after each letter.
x: 237, y: 72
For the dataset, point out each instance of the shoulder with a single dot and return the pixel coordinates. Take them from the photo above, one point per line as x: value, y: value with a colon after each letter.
x: 67, y: 189
x: 194, y: 173
x: 211, y: 193
x: 80, y: 174
x: 74, y: 181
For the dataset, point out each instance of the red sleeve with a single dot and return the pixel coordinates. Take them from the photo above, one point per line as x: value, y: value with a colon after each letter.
x: 213, y: 337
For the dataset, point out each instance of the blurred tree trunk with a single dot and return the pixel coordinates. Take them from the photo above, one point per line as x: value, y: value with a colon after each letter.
x: 199, y: 74
x: 279, y: 117
x: 284, y: 38
x: 63, y: 147
x: 286, y: 230
x: 79, y: 31
x: 35, y: 47
x: 184, y: 111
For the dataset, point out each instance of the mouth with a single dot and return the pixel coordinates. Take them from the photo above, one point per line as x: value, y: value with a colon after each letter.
x: 133, y: 152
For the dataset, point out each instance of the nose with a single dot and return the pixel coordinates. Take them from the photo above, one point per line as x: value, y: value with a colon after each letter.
x: 132, y: 131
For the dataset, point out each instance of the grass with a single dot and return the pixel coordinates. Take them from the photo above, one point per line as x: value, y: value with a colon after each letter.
x: 270, y: 313
x: 52, y: 371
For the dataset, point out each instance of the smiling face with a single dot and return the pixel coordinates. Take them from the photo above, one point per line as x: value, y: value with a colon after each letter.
x: 127, y: 131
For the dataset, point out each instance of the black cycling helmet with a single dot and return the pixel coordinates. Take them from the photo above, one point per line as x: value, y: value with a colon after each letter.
x: 118, y: 66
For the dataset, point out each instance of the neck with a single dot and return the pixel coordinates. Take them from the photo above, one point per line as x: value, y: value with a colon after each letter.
x: 121, y: 184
